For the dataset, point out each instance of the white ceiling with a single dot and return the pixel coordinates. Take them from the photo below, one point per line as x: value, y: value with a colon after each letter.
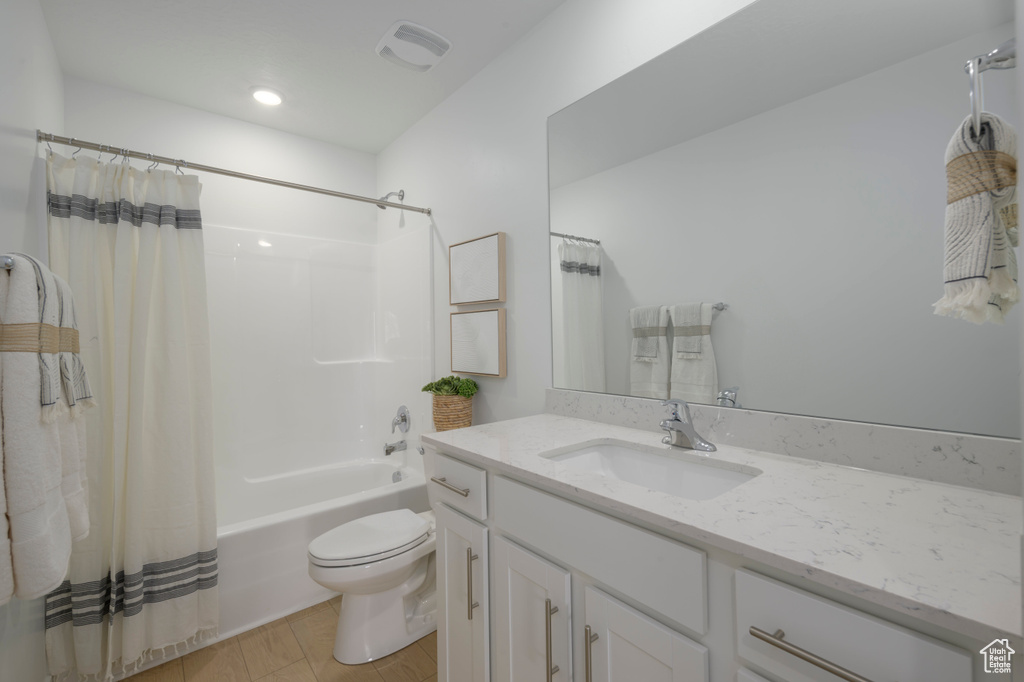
x: 319, y: 54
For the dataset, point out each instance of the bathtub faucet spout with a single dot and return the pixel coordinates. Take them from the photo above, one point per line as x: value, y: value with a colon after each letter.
x: 393, y: 447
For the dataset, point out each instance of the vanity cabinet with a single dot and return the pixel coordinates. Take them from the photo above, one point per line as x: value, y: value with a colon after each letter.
x: 579, y: 595
x: 463, y: 618
x: 538, y: 626
x: 533, y: 630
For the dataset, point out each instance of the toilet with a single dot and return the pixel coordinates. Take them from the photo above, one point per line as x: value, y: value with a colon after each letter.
x: 384, y: 565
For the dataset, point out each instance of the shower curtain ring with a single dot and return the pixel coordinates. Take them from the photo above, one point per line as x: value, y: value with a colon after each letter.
x: 74, y: 153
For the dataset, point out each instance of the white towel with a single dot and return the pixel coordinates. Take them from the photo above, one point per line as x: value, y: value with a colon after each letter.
x: 694, y: 374
x: 40, y: 536
x: 687, y: 323
x: 649, y: 361
x: 77, y: 396
x: 980, y: 270
x: 74, y: 381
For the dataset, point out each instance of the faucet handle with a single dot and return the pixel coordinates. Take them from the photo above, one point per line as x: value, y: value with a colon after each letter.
x: 401, y: 420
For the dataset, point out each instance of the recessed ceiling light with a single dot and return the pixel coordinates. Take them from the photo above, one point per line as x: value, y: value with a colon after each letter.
x: 264, y: 242
x: 266, y: 96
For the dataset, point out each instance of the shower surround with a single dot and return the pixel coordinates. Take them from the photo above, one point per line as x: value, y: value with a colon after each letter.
x: 315, y: 344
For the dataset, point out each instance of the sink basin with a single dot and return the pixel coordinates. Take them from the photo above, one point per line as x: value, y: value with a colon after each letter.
x: 669, y: 471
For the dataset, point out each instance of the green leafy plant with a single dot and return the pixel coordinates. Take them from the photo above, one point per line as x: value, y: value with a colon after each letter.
x: 452, y: 385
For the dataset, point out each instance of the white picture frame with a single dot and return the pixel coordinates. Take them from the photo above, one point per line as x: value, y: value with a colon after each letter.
x: 476, y: 270
x: 478, y: 343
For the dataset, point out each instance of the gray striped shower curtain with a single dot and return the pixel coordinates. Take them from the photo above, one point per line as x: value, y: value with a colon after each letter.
x: 143, y: 583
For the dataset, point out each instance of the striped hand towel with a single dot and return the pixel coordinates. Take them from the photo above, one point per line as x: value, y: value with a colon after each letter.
x: 649, y: 360
x: 980, y: 270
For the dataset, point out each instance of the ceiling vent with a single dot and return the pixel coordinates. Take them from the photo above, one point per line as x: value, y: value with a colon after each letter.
x: 412, y: 46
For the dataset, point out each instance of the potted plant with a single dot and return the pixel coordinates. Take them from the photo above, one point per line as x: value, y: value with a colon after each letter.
x: 453, y: 402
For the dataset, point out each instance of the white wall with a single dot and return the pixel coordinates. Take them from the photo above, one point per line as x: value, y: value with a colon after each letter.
x: 820, y: 224
x: 107, y: 115
x: 480, y: 161
x: 31, y: 97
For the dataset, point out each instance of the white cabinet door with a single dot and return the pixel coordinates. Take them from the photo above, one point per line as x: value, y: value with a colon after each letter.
x: 629, y: 646
x: 532, y: 627
x: 463, y: 633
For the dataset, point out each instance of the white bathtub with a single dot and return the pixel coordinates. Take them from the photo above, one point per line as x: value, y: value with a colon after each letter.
x: 268, y: 523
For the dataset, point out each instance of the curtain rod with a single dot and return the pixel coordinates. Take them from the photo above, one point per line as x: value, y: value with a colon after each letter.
x: 572, y: 236
x: 119, y: 151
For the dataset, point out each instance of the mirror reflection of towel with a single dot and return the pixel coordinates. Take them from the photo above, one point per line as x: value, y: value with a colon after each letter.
x: 649, y: 361
x: 648, y: 324
x: 688, y: 329
x: 694, y: 376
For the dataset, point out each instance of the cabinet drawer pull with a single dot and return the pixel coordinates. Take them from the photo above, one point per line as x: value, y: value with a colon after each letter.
x: 469, y: 582
x: 589, y: 637
x: 443, y: 481
x: 549, y: 611
x: 776, y: 640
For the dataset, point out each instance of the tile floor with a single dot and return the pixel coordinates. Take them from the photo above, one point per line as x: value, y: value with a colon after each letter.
x: 294, y: 649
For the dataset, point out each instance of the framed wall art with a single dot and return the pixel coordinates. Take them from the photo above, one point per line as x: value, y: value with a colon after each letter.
x: 478, y: 342
x: 476, y: 270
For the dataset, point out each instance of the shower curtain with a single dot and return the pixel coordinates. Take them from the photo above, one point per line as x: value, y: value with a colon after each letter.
x: 130, y: 244
x: 582, y: 316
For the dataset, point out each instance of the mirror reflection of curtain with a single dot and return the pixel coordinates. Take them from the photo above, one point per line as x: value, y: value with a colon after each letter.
x: 582, y: 316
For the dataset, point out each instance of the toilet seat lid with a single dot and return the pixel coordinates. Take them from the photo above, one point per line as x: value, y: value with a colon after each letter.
x: 370, y: 535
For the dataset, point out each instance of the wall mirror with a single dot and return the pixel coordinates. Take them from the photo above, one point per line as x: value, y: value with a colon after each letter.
x: 789, y: 162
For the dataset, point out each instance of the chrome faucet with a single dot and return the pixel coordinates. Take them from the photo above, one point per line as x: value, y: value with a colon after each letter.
x: 394, y: 447
x: 681, y: 433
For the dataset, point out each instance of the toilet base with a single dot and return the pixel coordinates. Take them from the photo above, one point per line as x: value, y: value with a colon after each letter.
x: 372, y: 626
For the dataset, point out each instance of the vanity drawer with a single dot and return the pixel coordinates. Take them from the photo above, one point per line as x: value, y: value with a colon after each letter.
x: 863, y: 644
x: 457, y: 484
x: 659, y: 573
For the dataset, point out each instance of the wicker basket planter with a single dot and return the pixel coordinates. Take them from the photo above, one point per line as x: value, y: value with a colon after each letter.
x: 452, y: 412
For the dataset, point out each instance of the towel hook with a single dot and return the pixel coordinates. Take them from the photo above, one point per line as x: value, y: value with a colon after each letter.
x: 1003, y: 57
x: 973, y: 69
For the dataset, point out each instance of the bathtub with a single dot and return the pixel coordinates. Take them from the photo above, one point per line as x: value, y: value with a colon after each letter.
x: 266, y: 524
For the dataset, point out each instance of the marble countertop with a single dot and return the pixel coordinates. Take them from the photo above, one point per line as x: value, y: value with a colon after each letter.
x: 944, y: 554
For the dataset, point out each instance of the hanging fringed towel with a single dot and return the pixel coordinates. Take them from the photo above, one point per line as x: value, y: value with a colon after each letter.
x: 980, y: 271
x: 42, y: 485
